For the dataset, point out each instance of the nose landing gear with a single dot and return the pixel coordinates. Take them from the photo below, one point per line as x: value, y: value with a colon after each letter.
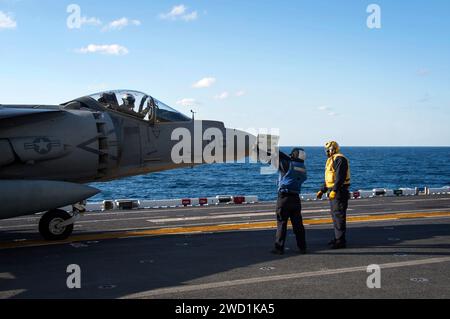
x: 58, y: 224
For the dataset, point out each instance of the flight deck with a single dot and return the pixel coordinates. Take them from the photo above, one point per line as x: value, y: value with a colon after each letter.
x: 224, y: 252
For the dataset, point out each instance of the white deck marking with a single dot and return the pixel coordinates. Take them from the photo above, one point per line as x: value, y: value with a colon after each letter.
x: 209, y: 217
x: 224, y: 216
x: 258, y: 280
x: 6, y: 294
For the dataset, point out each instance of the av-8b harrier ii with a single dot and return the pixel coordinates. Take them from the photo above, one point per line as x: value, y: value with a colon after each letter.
x: 48, y: 153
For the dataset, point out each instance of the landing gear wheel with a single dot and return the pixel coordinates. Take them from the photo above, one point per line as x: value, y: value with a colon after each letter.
x: 49, y: 225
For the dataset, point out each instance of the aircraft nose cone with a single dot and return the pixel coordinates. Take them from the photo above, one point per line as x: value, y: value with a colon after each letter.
x: 74, y: 191
x: 89, y: 191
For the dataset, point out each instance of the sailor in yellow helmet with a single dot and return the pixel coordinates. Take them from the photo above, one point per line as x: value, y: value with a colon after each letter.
x: 337, y: 183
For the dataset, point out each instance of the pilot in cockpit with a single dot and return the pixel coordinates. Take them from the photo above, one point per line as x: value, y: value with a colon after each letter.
x: 128, y: 105
x: 128, y: 102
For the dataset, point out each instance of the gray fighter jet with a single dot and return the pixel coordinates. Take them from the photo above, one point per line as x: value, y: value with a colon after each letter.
x: 48, y: 153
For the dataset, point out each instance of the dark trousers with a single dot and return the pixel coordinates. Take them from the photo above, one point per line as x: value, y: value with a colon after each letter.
x: 289, y: 207
x: 339, y: 207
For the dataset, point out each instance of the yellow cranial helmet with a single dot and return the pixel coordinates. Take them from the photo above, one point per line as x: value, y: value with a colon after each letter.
x: 332, y: 148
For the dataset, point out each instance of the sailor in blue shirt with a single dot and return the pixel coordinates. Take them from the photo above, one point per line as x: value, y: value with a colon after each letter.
x: 292, y: 175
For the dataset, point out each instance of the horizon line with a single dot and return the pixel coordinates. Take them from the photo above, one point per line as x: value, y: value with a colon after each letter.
x: 418, y: 146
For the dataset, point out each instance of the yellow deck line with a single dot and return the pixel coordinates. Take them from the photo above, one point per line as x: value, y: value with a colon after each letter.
x: 215, y: 228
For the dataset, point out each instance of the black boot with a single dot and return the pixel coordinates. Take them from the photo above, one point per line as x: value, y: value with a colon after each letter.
x: 277, y: 251
x: 339, y: 245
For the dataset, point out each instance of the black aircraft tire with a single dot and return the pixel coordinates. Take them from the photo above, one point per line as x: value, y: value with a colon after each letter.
x: 47, y: 225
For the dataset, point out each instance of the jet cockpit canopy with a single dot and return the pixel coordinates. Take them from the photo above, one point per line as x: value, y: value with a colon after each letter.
x: 140, y: 105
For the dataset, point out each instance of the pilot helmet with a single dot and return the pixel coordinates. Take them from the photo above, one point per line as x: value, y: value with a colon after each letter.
x: 128, y: 100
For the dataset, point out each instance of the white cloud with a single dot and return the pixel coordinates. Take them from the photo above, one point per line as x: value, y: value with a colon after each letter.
x: 190, y: 16
x: 90, y: 21
x: 323, y: 108
x: 188, y: 102
x: 121, y: 23
x: 225, y: 95
x: 179, y: 12
x: 328, y: 110
x: 7, y: 21
x: 176, y: 12
x: 204, y: 83
x: 108, y: 49
x: 222, y: 96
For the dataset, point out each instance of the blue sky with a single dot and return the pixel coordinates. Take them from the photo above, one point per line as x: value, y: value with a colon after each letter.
x: 312, y: 69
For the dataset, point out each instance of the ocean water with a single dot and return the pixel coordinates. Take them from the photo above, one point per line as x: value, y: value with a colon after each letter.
x: 371, y: 167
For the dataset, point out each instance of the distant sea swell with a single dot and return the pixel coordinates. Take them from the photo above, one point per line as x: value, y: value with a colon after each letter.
x: 371, y: 167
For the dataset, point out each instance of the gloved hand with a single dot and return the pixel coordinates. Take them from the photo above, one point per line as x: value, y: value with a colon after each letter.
x: 332, y: 195
x: 319, y: 194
